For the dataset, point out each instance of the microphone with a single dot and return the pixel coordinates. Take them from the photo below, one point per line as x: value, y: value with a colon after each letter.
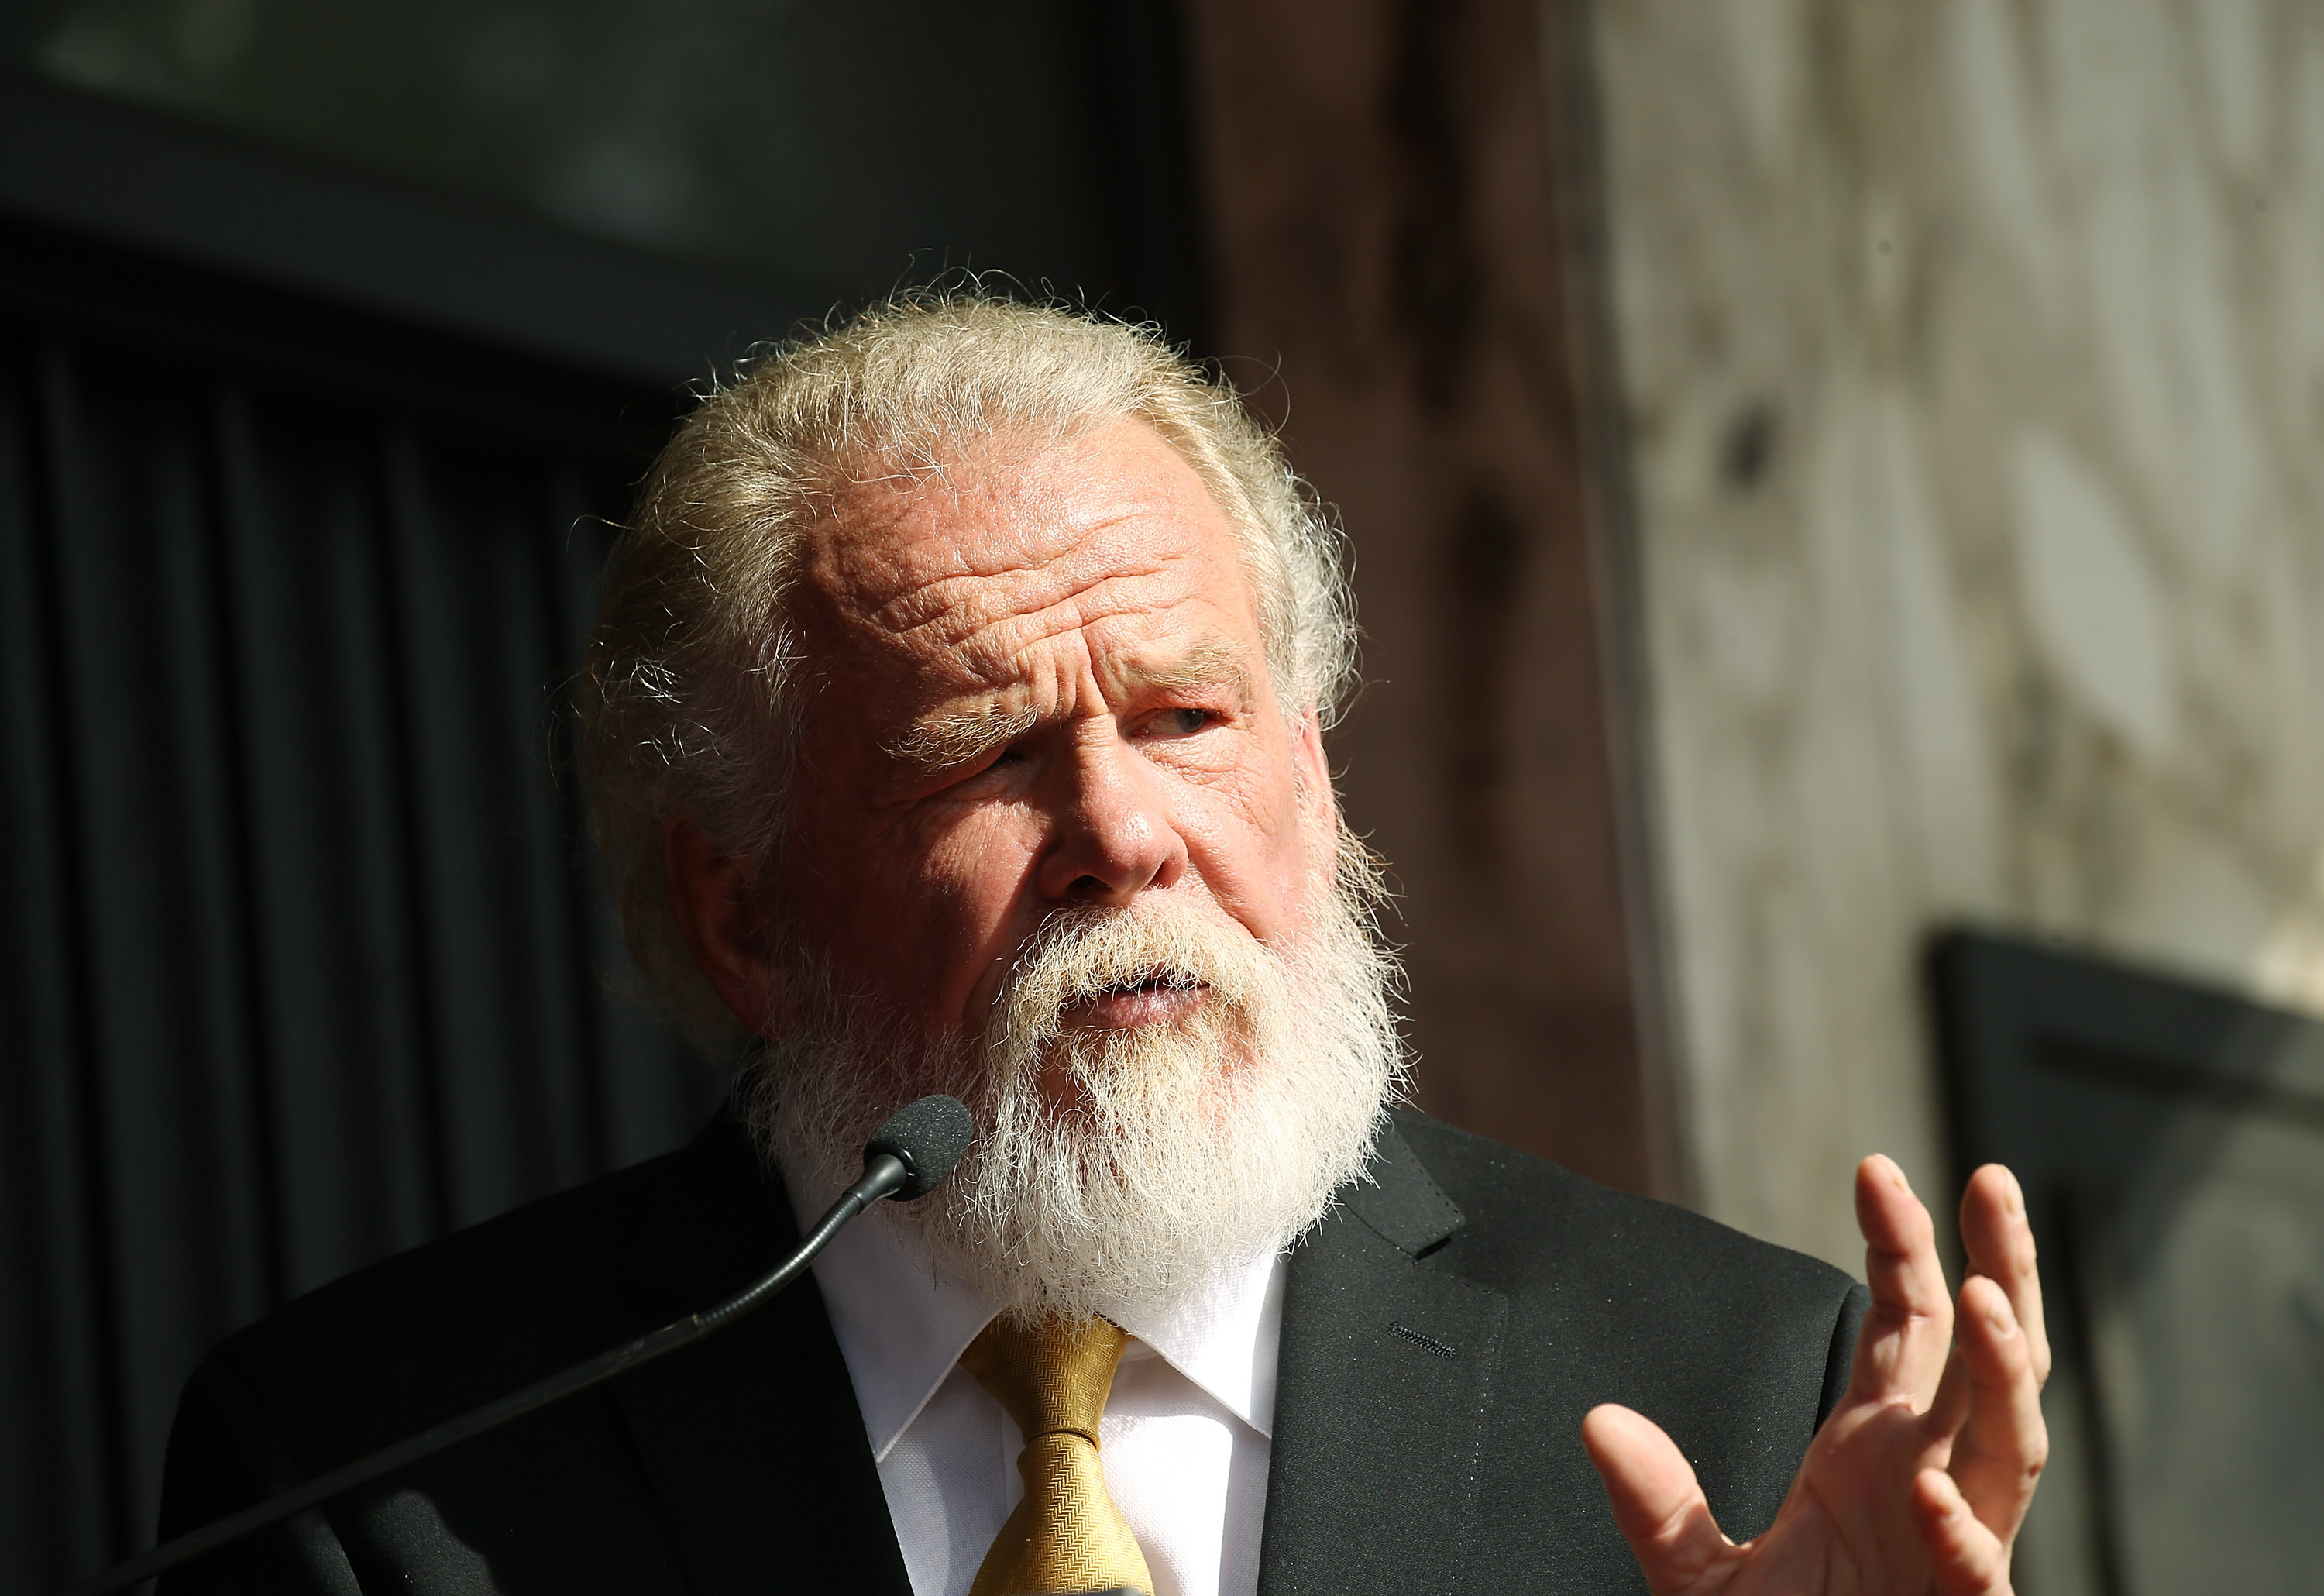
x: 907, y: 1159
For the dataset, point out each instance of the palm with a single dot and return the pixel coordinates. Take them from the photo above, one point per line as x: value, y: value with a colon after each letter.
x: 1919, y: 1480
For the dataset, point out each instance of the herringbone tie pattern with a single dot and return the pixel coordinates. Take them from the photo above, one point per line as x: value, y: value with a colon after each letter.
x: 1067, y: 1535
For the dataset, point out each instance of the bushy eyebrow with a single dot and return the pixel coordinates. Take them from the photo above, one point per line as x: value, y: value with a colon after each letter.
x: 956, y: 737
x: 1206, y: 665
x: 950, y: 738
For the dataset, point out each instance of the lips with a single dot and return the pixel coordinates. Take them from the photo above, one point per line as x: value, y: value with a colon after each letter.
x: 1160, y: 982
x: 1156, y: 980
x: 1148, y: 998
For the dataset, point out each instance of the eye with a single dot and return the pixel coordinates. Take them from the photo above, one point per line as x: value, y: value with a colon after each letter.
x: 1179, y: 723
x: 975, y: 774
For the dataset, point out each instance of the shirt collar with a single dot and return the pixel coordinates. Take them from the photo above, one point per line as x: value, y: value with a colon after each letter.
x: 901, y: 1327
x: 1223, y: 1336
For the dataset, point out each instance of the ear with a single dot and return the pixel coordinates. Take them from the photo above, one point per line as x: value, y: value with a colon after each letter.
x: 716, y: 902
x: 1315, y: 770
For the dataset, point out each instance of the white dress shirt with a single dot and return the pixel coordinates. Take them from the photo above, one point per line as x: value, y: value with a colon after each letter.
x: 1183, y: 1444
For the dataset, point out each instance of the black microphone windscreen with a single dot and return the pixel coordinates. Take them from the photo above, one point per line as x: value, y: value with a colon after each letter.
x: 928, y: 1138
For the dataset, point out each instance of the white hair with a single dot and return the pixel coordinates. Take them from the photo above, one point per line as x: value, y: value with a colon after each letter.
x: 1185, y: 1149
x: 688, y: 703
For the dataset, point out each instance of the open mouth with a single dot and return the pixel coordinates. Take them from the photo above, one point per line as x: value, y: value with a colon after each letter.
x: 1154, y: 995
x: 1156, y: 980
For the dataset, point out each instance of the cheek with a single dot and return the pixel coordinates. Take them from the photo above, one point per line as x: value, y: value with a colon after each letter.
x: 929, y: 905
x: 1257, y: 854
x: 975, y: 872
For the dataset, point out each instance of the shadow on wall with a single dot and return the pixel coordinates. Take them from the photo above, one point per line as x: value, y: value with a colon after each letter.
x: 2171, y: 1142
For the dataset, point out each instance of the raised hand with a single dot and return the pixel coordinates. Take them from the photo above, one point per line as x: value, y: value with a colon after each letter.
x: 1919, y: 1480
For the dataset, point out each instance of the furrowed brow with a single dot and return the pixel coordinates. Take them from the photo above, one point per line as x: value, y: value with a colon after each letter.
x: 955, y: 737
x: 1207, y: 665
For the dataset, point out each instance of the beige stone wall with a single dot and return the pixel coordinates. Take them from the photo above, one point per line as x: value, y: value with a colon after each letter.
x: 1974, y: 359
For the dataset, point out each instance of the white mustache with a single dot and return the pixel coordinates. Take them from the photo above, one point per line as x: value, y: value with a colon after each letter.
x: 1080, y: 955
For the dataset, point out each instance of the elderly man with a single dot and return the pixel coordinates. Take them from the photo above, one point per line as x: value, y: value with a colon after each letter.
x: 955, y: 723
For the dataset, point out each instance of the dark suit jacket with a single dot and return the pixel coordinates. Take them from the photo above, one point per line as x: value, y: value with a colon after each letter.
x: 1443, y: 1333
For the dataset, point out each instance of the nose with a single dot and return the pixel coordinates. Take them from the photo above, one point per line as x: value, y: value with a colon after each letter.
x: 1111, y: 834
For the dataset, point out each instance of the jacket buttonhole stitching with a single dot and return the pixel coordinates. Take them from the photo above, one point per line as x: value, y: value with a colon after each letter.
x: 1418, y: 1339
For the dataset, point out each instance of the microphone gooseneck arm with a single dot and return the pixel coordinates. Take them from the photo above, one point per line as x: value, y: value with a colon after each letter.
x: 897, y: 1164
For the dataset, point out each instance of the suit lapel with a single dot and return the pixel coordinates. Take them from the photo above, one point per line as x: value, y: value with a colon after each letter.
x: 752, y: 1439
x: 1384, y: 1386
x: 753, y: 1444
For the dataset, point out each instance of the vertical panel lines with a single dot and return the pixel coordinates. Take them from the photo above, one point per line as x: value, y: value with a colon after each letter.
x: 60, y: 1501
x: 303, y: 954
x: 396, y: 605
x: 103, y: 1333
x: 566, y: 505
x: 258, y: 1066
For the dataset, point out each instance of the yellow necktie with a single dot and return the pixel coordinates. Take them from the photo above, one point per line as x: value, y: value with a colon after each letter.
x: 1067, y: 1535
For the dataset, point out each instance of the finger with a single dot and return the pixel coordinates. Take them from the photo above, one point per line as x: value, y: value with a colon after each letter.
x: 1967, y: 1558
x: 2000, y: 1245
x: 2002, y: 1447
x: 1901, y: 1351
x: 1656, y: 1500
x: 1949, y: 1410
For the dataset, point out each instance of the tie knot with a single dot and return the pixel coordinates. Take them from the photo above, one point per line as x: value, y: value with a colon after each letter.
x: 1053, y: 1375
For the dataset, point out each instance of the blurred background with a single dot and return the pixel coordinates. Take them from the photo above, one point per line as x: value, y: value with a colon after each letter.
x: 1838, y: 499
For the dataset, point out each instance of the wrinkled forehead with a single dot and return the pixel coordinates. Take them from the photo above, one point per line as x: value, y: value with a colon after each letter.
x: 1108, y: 534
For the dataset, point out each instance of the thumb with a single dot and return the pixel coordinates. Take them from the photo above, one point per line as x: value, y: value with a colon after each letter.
x: 1656, y: 1501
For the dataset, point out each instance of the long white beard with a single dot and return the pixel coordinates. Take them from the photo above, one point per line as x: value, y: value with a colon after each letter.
x: 1118, y: 1168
